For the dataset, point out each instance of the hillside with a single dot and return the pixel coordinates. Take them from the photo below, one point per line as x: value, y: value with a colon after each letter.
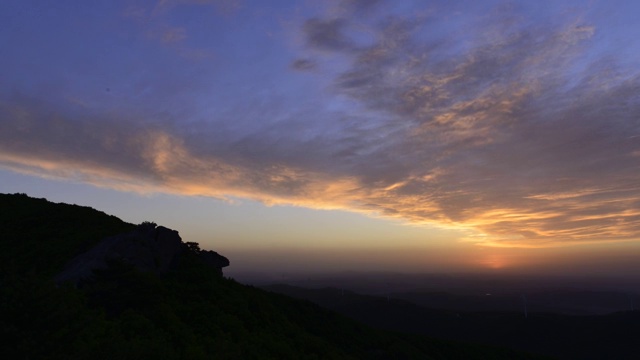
x: 612, y: 336
x: 189, y: 312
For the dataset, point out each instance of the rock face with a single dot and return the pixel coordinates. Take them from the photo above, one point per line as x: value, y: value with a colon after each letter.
x: 148, y: 248
x: 214, y: 259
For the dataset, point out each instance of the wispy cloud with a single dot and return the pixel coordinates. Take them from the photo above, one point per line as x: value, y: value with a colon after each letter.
x: 519, y: 130
x: 173, y: 35
x: 303, y: 65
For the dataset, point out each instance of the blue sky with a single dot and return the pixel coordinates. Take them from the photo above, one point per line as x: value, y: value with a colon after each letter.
x: 327, y: 129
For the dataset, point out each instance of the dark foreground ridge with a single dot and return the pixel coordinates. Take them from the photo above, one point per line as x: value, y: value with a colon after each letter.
x: 123, y: 291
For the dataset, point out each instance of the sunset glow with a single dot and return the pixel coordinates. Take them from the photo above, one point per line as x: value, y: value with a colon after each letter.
x: 447, y: 127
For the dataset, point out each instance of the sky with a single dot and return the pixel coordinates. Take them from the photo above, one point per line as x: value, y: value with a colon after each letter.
x: 301, y: 136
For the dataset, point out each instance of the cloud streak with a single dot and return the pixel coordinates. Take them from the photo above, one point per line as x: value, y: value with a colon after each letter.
x: 517, y: 130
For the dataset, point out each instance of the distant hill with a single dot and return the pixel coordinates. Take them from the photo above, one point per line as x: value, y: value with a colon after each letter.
x: 612, y: 336
x: 560, y: 301
x: 185, y: 310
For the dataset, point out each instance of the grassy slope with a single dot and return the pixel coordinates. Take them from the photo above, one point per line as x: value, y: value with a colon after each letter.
x: 189, y: 314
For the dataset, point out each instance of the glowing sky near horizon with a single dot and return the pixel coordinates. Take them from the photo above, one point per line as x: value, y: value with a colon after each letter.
x: 410, y: 135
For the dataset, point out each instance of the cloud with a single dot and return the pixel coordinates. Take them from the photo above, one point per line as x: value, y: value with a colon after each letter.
x: 174, y: 35
x: 500, y: 121
x: 303, y: 65
x: 327, y: 34
x: 38, y: 140
x: 158, y: 23
x: 517, y: 130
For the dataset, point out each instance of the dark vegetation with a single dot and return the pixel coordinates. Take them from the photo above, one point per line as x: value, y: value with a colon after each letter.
x: 189, y: 313
x: 611, y: 336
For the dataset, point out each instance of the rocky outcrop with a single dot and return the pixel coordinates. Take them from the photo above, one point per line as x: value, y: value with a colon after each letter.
x: 148, y: 248
x: 214, y: 259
